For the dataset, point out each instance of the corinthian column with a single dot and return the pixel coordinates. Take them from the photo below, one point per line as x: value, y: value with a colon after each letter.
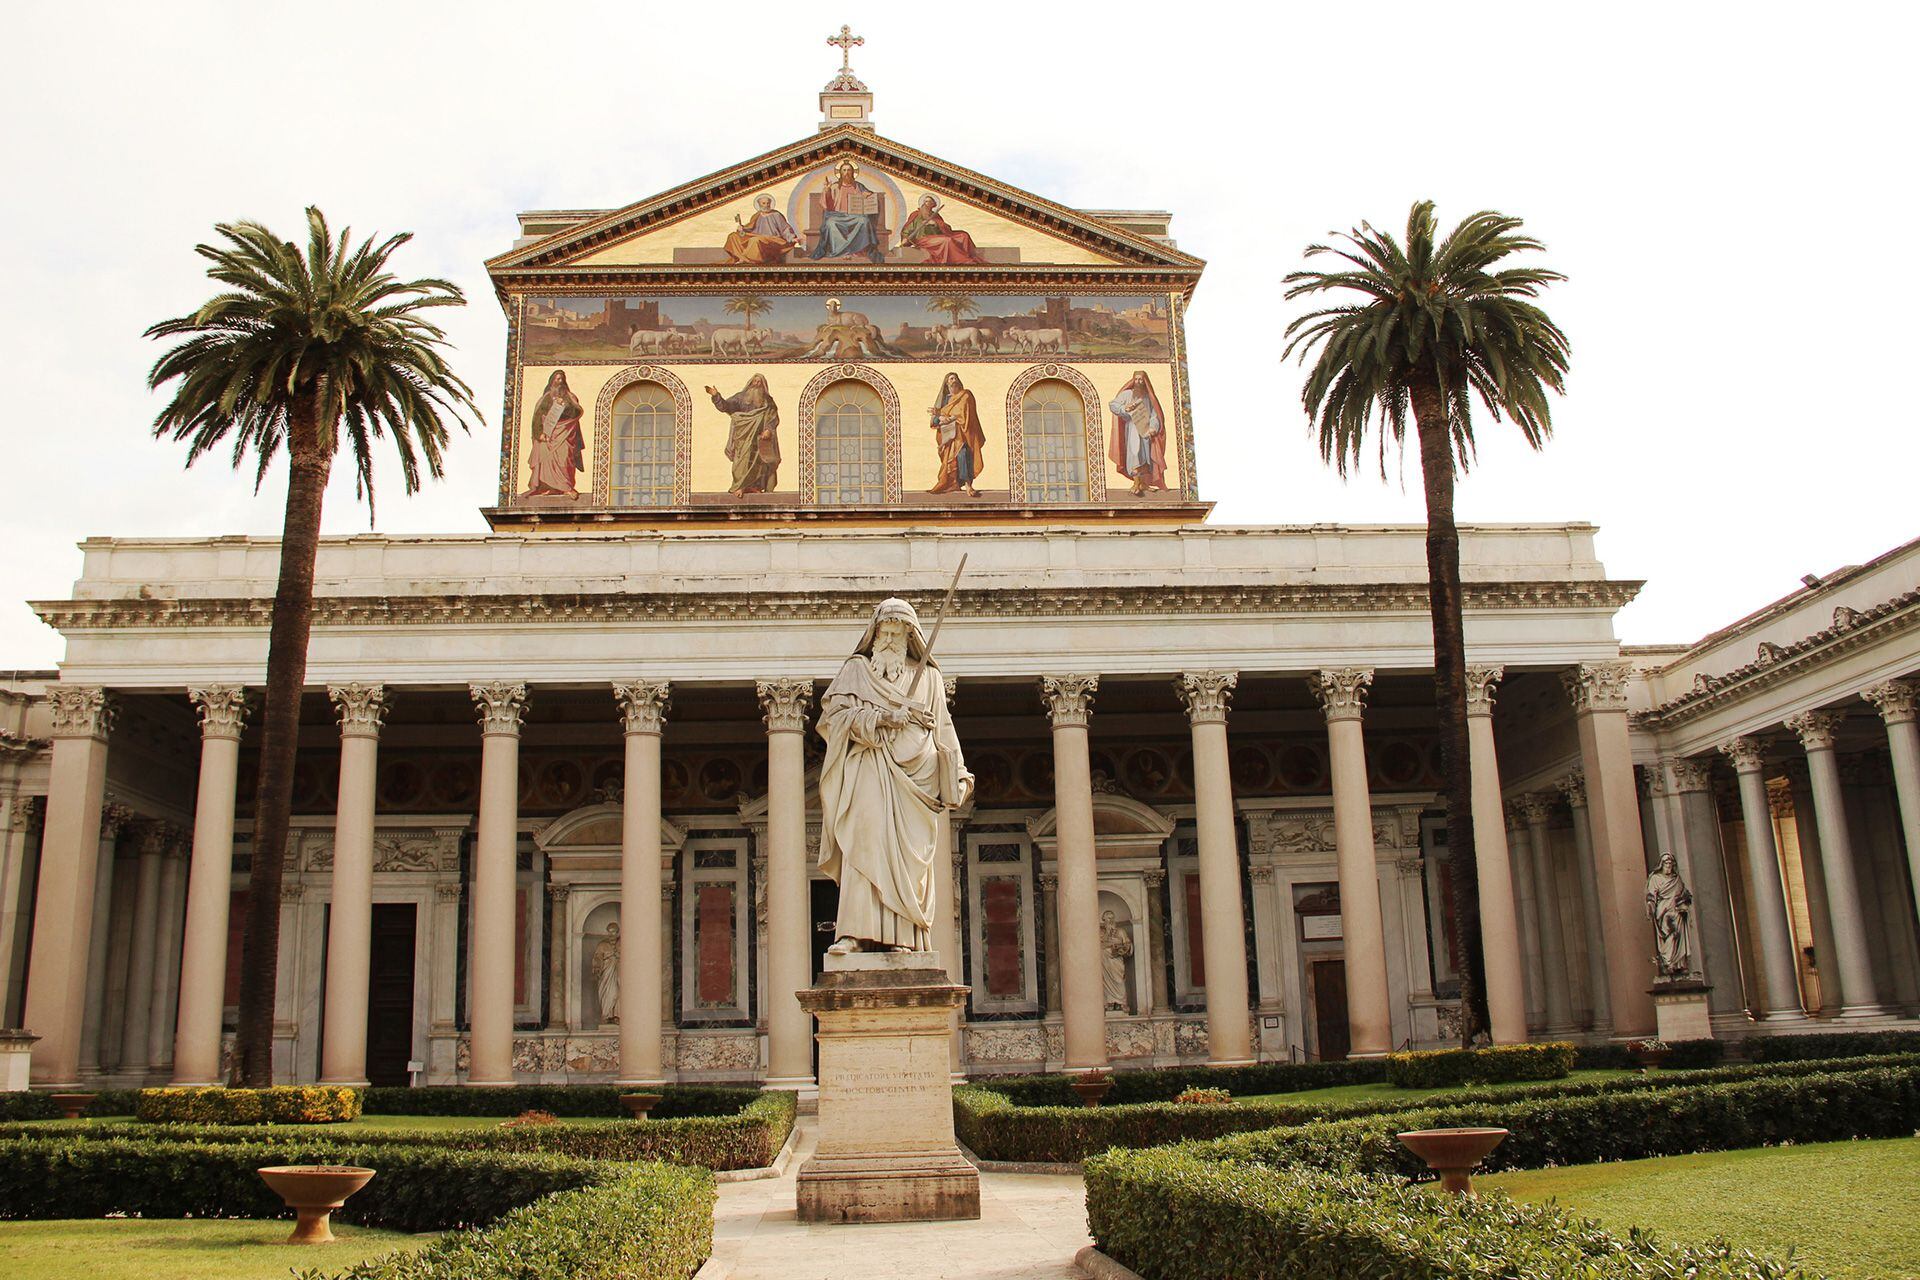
x: 97, y: 1053
x: 490, y: 949
x: 164, y: 1003
x: 1499, y: 918
x: 144, y: 949
x: 789, y: 953
x: 1896, y: 701
x: 1715, y: 952
x: 350, y: 922
x: 1815, y: 730
x: 1599, y: 694
x: 203, y: 958
x: 643, y: 705
x: 69, y: 862
x: 1574, y: 787
x: 1553, y: 948
x: 1069, y: 700
x: 1520, y: 841
x: 1773, y: 936
x: 1342, y: 693
x: 1224, y: 937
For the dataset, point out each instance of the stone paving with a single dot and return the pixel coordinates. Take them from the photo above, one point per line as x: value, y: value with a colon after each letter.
x: 1030, y: 1227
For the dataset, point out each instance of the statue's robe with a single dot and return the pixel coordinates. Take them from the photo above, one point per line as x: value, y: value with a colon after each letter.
x: 880, y: 806
x: 1669, y: 903
x: 769, y: 239
x: 961, y: 441
x: 1138, y: 445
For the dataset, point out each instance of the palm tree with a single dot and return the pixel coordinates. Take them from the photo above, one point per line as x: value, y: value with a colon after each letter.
x: 299, y: 351
x: 955, y: 306
x: 748, y: 305
x: 1433, y: 326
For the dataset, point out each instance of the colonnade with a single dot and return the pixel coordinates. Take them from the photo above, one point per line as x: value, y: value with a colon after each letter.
x: 69, y: 933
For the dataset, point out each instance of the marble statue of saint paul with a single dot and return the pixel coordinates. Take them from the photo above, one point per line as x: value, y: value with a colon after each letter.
x: 893, y: 767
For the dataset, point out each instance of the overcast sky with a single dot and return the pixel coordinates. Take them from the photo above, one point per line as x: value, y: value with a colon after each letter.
x: 1730, y: 189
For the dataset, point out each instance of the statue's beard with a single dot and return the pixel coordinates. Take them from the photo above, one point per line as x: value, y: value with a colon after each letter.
x: 890, y: 660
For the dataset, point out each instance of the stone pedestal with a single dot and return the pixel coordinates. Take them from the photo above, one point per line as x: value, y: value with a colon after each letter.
x: 1680, y: 1010
x: 886, y: 1150
x: 16, y: 1059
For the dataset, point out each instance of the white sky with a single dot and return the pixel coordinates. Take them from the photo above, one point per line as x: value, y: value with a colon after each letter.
x: 1729, y: 187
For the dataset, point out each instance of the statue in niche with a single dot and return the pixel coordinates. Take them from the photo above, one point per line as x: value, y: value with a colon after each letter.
x: 1116, y: 947
x: 606, y: 974
x: 1670, y: 907
x: 893, y: 767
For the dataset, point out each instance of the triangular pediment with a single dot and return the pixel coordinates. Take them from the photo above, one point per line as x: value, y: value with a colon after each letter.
x: 824, y: 216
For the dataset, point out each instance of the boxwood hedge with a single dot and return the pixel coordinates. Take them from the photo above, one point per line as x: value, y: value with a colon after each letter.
x: 1829, y: 1044
x: 281, y: 1104
x: 570, y: 1100
x: 32, y: 1104
x: 1500, y: 1064
x: 1164, y: 1084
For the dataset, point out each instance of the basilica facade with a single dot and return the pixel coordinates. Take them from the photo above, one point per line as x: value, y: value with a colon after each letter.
x: 555, y: 813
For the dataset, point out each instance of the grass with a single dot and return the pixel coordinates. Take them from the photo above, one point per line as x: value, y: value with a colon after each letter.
x: 369, y: 1124
x: 137, y: 1249
x: 1850, y: 1209
x: 1384, y: 1091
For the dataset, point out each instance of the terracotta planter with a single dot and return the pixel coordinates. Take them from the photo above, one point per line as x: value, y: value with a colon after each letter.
x: 638, y: 1104
x: 1453, y: 1153
x: 72, y: 1104
x: 1092, y: 1091
x: 313, y: 1192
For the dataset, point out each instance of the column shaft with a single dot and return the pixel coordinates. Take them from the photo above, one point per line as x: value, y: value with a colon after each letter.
x: 94, y: 1055
x: 490, y: 940
x: 1575, y: 787
x: 1370, y: 1027
x: 144, y: 950
x: 1896, y: 700
x: 164, y: 1006
x: 69, y: 861
x: 1224, y: 937
x: 1499, y: 917
x: 1858, y: 989
x: 642, y: 955
x: 1527, y: 900
x: 1553, y: 948
x: 350, y: 918
x: 203, y: 957
x: 1773, y: 937
x: 1078, y: 898
x: 1716, y: 954
x: 789, y: 910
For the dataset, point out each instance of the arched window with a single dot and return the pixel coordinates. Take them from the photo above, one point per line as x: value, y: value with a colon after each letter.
x: 643, y: 440
x: 850, y: 445
x: 1053, y: 428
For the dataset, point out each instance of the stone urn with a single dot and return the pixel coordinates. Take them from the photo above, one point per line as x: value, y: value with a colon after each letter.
x: 313, y: 1192
x: 638, y: 1104
x: 1453, y: 1153
x: 1649, y: 1056
x: 72, y: 1104
x: 1092, y: 1089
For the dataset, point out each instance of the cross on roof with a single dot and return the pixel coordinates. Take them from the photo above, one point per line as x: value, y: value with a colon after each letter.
x: 846, y: 40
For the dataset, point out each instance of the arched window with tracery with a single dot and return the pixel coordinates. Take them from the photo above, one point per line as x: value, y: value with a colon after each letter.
x: 1053, y: 431
x: 849, y: 445
x: 642, y: 462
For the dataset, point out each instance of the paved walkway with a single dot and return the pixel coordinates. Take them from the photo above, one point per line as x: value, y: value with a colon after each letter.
x: 1030, y: 1227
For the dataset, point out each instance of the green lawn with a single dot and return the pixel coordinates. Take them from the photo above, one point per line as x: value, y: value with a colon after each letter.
x: 366, y: 1124
x: 1850, y: 1209
x: 1387, y: 1092
x: 136, y: 1249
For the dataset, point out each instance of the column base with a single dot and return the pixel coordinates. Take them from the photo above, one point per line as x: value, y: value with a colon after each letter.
x: 1775, y: 1017
x: 1232, y: 1062
x: 344, y: 1084
x: 1849, y: 1012
x: 489, y: 1084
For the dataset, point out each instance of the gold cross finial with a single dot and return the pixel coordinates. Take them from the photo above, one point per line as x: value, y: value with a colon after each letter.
x: 846, y: 40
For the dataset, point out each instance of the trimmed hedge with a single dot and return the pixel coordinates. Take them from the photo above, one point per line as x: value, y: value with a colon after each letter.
x: 1694, y: 1055
x: 1170, y: 1215
x: 32, y: 1104
x: 281, y: 1104
x: 749, y: 1139
x: 1166, y: 1084
x: 994, y: 1128
x: 1501, y: 1064
x: 569, y: 1100
x: 1829, y: 1044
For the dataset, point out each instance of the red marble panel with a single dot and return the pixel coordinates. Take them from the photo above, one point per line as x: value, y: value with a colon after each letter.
x: 1000, y: 900
x: 713, y: 944
x: 1196, y: 930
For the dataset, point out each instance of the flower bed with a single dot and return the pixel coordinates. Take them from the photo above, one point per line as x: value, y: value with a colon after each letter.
x: 282, y: 1104
x: 1502, y: 1064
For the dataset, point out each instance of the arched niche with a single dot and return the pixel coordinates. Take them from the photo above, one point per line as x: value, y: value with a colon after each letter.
x: 595, y: 828
x: 1122, y: 828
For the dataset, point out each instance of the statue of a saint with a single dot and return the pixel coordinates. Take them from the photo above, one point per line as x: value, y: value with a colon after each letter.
x: 893, y: 767
x: 1670, y: 907
x: 1116, y: 944
x: 606, y: 974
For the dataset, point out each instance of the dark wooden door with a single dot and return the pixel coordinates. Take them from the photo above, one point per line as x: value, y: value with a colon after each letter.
x: 390, y: 994
x: 1330, y: 1009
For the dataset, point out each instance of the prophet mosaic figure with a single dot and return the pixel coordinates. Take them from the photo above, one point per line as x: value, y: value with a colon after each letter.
x: 849, y: 217
x: 893, y: 767
x: 769, y: 238
x: 559, y: 445
x: 753, y: 442
x: 1670, y: 907
x: 1138, y: 446
x: 928, y: 232
x: 606, y: 974
x: 1116, y: 946
x: 958, y: 436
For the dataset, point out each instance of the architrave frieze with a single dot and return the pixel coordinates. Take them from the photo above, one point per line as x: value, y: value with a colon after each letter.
x: 741, y: 606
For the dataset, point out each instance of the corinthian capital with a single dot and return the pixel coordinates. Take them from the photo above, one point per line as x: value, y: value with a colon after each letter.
x: 1815, y: 729
x: 81, y: 711
x: 1597, y: 686
x: 1206, y: 694
x: 1574, y: 788
x: 114, y: 818
x: 1749, y: 755
x: 223, y: 709
x: 643, y: 704
x: 1480, y: 683
x: 1069, y: 699
x: 1690, y: 775
x: 1894, y: 699
x: 1342, y: 691
x: 361, y: 706
x: 783, y: 703
x: 1536, y: 807
x: 502, y: 705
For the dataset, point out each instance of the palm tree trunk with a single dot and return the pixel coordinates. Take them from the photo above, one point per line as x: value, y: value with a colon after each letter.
x: 1445, y: 603
x: 280, y: 741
